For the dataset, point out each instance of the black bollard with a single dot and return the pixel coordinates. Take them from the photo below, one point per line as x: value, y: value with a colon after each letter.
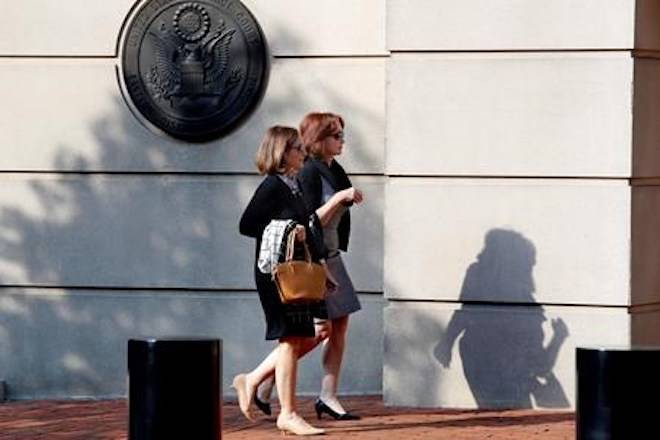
x: 617, y: 393
x: 174, y: 389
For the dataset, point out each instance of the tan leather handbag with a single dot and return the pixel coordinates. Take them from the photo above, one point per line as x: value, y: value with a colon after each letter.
x: 299, y: 281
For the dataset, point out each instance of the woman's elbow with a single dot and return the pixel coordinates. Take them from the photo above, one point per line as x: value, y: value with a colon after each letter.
x: 246, y: 229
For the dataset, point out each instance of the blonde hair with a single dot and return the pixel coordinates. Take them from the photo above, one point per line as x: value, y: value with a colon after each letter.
x: 270, y: 154
x: 315, y: 128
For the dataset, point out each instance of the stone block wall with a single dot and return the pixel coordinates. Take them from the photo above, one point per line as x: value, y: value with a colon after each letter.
x: 108, y: 231
x: 520, y: 204
x: 508, y: 151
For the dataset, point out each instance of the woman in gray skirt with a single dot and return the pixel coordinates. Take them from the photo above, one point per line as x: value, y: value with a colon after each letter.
x: 321, y: 178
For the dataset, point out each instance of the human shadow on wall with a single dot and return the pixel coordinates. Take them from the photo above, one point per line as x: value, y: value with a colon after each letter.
x: 505, y: 361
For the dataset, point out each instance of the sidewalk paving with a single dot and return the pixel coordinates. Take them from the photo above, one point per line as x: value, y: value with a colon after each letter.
x: 107, y: 419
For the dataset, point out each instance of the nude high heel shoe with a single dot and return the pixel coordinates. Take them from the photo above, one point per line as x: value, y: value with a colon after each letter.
x: 296, y: 425
x: 244, y: 398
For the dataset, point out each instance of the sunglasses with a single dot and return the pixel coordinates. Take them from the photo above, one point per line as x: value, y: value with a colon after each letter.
x: 338, y: 136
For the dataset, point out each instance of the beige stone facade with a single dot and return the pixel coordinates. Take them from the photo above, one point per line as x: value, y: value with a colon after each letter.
x: 508, y: 154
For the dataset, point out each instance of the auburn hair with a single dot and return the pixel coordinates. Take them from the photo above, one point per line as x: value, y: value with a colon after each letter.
x: 315, y: 128
x: 270, y: 154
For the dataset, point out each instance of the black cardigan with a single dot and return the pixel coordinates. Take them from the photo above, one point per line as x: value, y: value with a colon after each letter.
x: 310, y: 178
x: 273, y: 200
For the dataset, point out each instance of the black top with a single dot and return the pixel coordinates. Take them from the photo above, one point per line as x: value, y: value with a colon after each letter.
x: 310, y: 178
x: 274, y: 200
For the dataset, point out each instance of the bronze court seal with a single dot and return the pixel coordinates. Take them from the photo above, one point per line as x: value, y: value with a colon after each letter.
x: 194, y: 70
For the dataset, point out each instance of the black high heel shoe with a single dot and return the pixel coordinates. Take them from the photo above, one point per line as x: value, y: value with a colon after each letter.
x: 263, y: 406
x: 321, y: 408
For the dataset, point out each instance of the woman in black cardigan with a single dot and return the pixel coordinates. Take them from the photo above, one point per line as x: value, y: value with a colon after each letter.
x: 322, y: 178
x: 279, y: 196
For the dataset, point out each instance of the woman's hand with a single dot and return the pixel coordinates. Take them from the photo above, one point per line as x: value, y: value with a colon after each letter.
x: 300, y: 233
x: 351, y: 195
x: 345, y: 197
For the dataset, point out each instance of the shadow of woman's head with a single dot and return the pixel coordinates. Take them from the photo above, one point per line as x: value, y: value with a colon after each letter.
x: 503, y: 270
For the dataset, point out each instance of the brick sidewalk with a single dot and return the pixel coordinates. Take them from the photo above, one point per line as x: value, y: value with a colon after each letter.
x: 92, y: 420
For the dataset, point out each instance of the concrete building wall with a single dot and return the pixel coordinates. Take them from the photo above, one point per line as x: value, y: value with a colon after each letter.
x: 490, y: 355
x: 108, y: 231
x: 509, y: 114
x: 513, y: 131
x: 71, y: 342
x: 645, y: 239
x: 508, y: 153
x: 526, y: 25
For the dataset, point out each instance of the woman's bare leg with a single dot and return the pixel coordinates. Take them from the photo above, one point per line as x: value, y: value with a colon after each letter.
x: 333, y: 353
x: 262, y: 377
x: 263, y: 371
x: 286, y: 368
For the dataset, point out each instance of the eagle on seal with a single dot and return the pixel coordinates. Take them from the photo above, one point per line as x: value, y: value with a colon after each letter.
x: 191, y: 69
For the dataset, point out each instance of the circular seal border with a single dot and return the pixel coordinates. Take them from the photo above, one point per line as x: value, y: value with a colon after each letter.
x: 137, y: 98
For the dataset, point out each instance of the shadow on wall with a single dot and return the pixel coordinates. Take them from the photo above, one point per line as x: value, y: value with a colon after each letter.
x: 86, y: 233
x: 95, y: 237
x: 505, y: 361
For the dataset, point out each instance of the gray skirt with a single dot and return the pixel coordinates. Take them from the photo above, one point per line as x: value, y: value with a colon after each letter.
x: 343, y: 300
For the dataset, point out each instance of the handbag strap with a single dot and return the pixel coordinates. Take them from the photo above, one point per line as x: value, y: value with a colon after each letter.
x: 290, y: 243
x: 290, y: 239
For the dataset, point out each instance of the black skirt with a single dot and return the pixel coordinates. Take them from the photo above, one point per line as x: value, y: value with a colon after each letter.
x: 284, y: 320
